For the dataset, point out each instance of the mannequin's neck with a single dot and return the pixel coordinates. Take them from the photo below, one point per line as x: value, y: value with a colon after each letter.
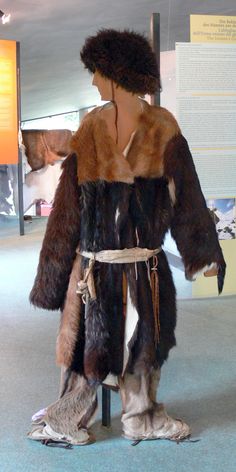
x: 127, y: 103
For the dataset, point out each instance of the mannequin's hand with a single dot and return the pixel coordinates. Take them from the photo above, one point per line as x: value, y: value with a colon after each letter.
x: 211, y: 272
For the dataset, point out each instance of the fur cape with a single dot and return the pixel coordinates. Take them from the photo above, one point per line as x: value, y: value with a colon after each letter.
x: 104, y: 201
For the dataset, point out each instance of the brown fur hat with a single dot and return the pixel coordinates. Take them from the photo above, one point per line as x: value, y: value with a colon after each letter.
x: 124, y: 57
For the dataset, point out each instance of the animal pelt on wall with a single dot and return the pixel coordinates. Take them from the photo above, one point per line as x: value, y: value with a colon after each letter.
x: 44, y: 146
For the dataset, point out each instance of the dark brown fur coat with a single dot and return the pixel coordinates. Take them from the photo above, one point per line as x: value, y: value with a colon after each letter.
x: 104, y: 201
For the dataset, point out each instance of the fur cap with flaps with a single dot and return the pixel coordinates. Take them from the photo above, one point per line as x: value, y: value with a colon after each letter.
x: 124, y: 57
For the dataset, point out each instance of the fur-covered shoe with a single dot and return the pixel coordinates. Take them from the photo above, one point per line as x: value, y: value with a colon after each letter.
x: 155, y: 424
x: 43, y: 432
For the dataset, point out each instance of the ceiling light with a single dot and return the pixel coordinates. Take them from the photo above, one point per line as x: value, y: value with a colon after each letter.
x: 5, y: 17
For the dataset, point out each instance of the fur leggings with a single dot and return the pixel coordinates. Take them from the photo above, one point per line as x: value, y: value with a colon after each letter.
x: 77, y: 405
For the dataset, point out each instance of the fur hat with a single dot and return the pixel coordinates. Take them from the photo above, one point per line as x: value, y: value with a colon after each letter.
x: 124, y: 57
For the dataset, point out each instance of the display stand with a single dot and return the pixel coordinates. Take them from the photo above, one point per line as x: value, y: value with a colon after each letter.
x: 20, y: 165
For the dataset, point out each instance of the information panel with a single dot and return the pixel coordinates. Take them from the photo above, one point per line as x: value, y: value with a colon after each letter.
x: 213, y: 29
x: 8, y: 103
x: 206, y: 110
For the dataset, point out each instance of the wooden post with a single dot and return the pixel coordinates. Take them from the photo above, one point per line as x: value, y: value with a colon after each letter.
x: 20, y: 166
x: 106, y: 407
x: 155, y: 40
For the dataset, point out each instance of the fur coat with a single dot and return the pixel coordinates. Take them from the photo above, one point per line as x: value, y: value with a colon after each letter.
x: 107, y: 201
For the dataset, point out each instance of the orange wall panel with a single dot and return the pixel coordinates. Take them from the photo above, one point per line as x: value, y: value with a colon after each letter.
x: 8, y: 103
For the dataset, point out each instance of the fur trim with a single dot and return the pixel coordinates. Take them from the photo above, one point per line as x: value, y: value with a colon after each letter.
x: 104, y: 161
x: 70, y: 320
x: 124, y: 57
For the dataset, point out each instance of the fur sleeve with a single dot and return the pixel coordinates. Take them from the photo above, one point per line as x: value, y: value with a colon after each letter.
x: 60, y: 242
x: 192, y: 226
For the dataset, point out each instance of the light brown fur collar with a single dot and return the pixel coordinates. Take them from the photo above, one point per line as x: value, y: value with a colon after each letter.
x: 99, y: 158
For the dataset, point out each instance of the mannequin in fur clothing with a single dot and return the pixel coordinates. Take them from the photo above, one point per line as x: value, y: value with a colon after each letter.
x: 130, y: 178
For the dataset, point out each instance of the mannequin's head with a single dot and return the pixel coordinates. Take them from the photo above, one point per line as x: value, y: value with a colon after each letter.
x: 104, y: 86
x: 124, y: 58
x: 108, y: 89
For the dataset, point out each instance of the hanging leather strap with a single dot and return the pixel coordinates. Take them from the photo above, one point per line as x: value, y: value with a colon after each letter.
x: 155, y: 299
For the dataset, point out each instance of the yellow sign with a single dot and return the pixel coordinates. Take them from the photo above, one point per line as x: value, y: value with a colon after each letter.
x: 8, y: 103
x: 212, y: 29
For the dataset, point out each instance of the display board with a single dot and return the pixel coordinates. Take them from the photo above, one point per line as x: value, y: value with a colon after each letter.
x: 206, y: 89
x: 206, y: 111
x: 8, y: 103
x: 212, y: 29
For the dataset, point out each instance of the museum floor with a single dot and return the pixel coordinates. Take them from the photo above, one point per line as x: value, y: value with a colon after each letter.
x: 198, y: 382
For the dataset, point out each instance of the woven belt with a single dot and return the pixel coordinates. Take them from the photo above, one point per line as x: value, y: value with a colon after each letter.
x: 86, y: 287
x: 121, y: 256
x: 116, y: 256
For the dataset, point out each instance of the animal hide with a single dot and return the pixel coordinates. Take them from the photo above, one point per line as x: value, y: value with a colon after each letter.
x: 107, y: 201
x: 44, y: 147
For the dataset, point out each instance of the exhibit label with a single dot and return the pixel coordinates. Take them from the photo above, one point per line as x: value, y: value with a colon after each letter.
x: 213, y: 29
